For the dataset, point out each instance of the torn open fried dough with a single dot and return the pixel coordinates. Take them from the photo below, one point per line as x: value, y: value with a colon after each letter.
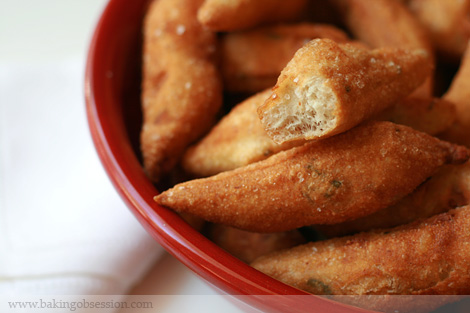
x: 253, y: 59
x: 328, y: 88
x: 223, y: 15
x: 237, y: 140
x: 336, y: 179
x: 240, y: 139
x: 181, y: 88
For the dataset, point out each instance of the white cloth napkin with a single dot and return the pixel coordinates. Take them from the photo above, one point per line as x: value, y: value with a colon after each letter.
x: 63, y: 227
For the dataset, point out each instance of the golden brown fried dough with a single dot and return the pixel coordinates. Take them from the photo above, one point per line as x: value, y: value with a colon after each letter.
x: 333, y: 180
x: 328, y: 88
x: 252, y: 60
x: 222, y: 15
x: 383, y: 23
x: 401, y: 303
x: 429, y: 115
x: 237, y: 140
x: 247, y: 246
x: 427, y: 257
x: 445, y: 23
x: 459, y: 94
x: 181, y: 86
x: 410, y: 304
x: 386, y: 23
x: 447, y: 189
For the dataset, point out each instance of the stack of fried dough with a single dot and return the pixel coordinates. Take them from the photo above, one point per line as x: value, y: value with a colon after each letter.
x: 353, y: 125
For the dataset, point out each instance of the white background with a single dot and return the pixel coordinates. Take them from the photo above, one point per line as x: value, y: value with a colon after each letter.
x: 36, y: 32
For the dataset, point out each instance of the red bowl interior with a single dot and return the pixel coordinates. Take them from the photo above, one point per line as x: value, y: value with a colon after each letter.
x: 112, y: 88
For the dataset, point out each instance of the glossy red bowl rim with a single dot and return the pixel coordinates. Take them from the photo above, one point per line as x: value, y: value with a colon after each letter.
x: 203, y: 257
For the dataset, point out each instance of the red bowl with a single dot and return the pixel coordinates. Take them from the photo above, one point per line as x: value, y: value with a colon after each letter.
x: 112, y: 88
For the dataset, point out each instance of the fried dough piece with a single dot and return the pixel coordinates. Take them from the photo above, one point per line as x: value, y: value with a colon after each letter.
x: 445, y: 22
x: 182, y: 89
x: 222, y: 15
x: 427, y: 257
x: 252, y: 60
x: 237, y: 140
x: 328, y: 88
x: 336, y: 179
x: 430, y: 115
x: 383, y: 23
x: 447, y: 189
x: 387, y: 23
x: 459, y: 94
x: 402, y: 303
x: 247, y: 246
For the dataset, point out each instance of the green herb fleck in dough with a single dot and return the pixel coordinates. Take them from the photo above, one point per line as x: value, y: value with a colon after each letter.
x: 319, y: 287
x: 310, y: 167
x: 336, y: 183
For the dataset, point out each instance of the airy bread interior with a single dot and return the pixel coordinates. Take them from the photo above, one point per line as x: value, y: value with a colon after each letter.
x: 307, y: 112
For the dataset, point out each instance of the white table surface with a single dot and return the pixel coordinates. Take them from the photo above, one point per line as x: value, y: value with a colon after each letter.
x: 44, y: 31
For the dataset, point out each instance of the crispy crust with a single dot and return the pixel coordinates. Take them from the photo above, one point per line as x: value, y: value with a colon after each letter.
x: 181, y: 89
x: 430, y: 115
x: 427, y: 257
x: 447, y: 189
x: 252, y: 60
x: 328, y: 88
x: 367, y: 22
x: 387, y: 23
x: 323, y: 182
x: 237, y: 140
x: 222, y: 15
